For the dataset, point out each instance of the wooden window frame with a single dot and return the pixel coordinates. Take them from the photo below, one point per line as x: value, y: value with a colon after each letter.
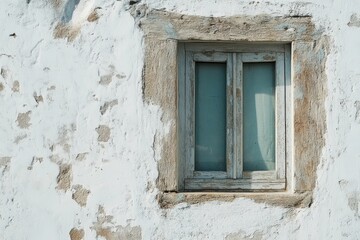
x: 234, y: 178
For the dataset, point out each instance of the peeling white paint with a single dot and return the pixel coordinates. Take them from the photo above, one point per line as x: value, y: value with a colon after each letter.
x: 118, y: 173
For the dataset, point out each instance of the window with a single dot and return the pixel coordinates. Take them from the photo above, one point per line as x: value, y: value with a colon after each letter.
x: 167, y: 38
x: 232, y: 112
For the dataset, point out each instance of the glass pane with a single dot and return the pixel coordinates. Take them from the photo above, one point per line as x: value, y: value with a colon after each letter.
x: 210, y: 116
x: 259, y: 116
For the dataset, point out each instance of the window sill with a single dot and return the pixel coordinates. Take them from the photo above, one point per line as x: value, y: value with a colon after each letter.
x: 234, y: 184
x: 281, y: 199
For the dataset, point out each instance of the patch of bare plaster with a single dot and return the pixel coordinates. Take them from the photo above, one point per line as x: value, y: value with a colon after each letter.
x: 94, y: 15
x: 150, y: 186
x: 120, y: 75
x: 4, y: 73
x: 55, y: 159
x: 80, y: 195
x: 353, y: 197
x: 354, y: 21
x: 64, y: 177
x: 35, y: 160
x: 108, y: 105
x: 38, y: 98
x: 81, y: 156
x: 236, y: 236
x: 104, y: 227
x: 66, y: 31
x: 106, y: 79
x: 23, y: 119
x: 354, y: 202
x: 77, y: 234
x: 4, y: 163
x: 1, y: 86
x: 241, y: 235
x: 357, y: 111
x: 64, y: 136
x: 19, y: 138
x: 16, y: 86
x: 103, y: 132
x: 56, y: 3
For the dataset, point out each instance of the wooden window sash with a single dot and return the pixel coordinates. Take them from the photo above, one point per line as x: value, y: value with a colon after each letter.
x: 191, y: 59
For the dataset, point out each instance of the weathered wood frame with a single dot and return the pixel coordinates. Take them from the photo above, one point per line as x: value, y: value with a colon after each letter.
x: 234, y: 55
x: 309, y: 49
x: 188, y: 152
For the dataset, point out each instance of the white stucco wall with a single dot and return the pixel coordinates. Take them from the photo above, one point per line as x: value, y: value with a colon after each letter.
x: 107, y: 157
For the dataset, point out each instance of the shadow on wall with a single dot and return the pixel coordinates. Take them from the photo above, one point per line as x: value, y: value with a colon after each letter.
x: 69, y: 10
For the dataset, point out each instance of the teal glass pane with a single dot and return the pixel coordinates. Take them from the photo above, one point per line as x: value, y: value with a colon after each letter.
x: 259, y: 116
x: 210, y: 116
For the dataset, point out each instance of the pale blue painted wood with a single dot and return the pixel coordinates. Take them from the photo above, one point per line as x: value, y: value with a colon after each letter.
x: 259, y: 116
x: 210, y: 116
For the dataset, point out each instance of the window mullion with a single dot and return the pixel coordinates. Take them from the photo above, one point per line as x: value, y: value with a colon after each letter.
x: 229, y: 119
x: 235, y: 135
x: 238, y: 109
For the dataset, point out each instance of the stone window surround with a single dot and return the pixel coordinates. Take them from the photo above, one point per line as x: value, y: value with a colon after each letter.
x: 162, y: 32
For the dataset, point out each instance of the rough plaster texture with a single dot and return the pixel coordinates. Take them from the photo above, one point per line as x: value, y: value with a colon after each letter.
x: 66, y: 62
